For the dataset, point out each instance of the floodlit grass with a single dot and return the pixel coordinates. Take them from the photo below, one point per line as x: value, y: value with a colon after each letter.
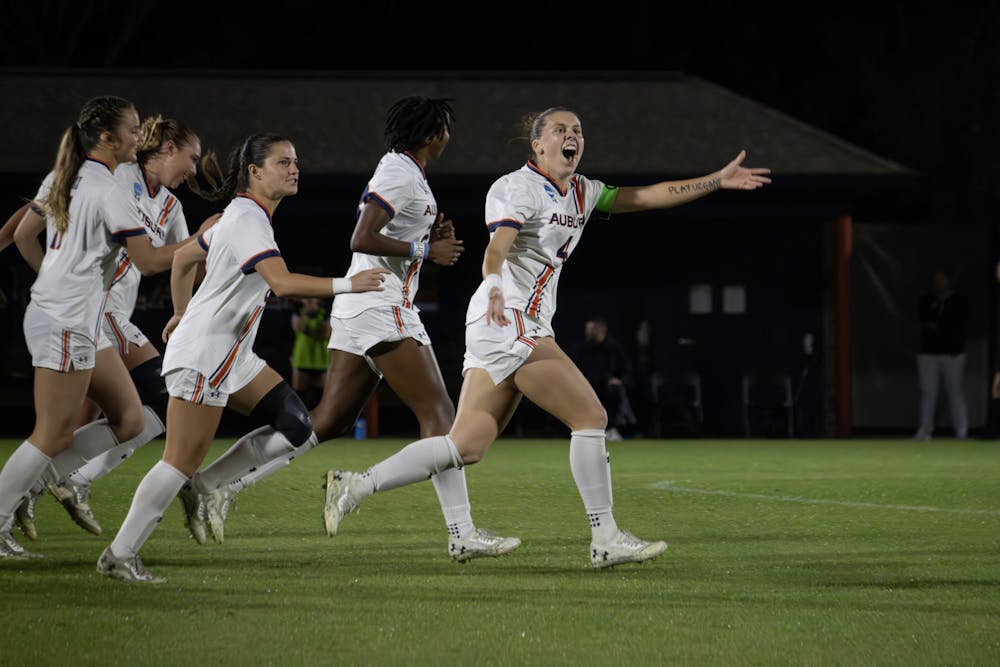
x: 781, y: 552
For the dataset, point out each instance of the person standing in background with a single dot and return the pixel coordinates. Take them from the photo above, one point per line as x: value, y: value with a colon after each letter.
x: 310, y: 355
x: 605, y: 364
x: 943, y: 314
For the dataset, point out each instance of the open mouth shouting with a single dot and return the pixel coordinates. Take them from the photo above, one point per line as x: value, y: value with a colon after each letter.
x: 570, y: 150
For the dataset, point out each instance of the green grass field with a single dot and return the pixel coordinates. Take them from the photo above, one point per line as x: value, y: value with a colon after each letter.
x: 831, y: 552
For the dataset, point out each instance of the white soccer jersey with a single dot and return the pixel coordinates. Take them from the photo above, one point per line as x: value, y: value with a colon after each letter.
x: 549, y: 223
x: 399, y: 185
x: 221, y: 321
x: 79, y: 264
x: 163, y: 219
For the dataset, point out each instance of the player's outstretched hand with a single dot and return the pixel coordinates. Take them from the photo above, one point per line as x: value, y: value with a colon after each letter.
x: 736, y: 177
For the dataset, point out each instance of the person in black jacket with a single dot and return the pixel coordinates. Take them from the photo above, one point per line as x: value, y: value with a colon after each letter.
x: 605, y: 364
x: 943, y: 314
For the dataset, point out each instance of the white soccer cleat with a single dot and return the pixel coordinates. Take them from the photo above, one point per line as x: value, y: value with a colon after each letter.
x: 24, y: 516
x: 624, y: 548
x: 11, y: 550
x: 340, y: 498
x: 76, y: 499
x: 216, y: 509
x: 130, y: 570
x: 480, y: 542
x: 194, y: 513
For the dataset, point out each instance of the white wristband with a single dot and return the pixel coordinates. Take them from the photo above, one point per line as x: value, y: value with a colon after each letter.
x: 342, y: 286
x: 493, y: 280
x: 419, y: 250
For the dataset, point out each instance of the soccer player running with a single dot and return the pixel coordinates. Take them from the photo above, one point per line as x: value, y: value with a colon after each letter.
x: 380, y: 334
x: 536, y: 216
x: 169, y: 153
x: 209, y: 361
x: 62, y: 320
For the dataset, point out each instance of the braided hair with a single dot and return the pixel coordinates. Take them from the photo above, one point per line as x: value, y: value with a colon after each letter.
x: 412, y: 120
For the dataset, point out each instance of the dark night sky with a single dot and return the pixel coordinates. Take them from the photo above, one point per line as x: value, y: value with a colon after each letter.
x: 915, y: 82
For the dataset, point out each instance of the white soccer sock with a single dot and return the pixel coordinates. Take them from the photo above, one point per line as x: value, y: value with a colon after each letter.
x: 414, y: 463
x: 152, y: 498
x: 101, y: 465
x: 266, y: 470
x: 19, y: 473
x: 95, y: 438
x: 47, y: 475
x: 89, y: 441
x: 253, y: 451
x: 591, y: 466
x: 273, y: 466
x: 453, y: 495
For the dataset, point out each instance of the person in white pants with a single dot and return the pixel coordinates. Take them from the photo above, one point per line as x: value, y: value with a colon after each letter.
x: 943, y: 314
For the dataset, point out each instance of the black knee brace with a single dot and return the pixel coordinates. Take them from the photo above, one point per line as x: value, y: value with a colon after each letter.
x: 151, y: 387
x: 283, y: 410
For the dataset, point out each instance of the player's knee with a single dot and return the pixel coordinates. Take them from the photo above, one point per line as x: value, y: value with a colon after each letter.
x: 471, y: 448
x: 283, y: 410
x: 151, y: 387
x: 128, y: 425
x: 295, y: 424
x: 593, y: 417
x: 328, y: 426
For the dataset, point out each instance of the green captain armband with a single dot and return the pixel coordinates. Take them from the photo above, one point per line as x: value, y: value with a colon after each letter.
x: 606, y: 201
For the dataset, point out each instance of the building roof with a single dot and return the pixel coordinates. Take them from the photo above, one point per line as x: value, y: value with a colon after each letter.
x: 634, y: 123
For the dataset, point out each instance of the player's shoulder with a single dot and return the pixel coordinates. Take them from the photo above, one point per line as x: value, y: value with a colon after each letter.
x: 518, y: 183
x: 399, y: 165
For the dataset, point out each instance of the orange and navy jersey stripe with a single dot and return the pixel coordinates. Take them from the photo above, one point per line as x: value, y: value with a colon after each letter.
x: 198, y: 393
x: 247, y: 195
x: 248, y: 266
x: 120, y: 339
x: 505, y: 222
x: 535, y: 300
x: 578, y: 194
x: 64, y: 361
x: 416, y: 162
x: 521, y: 338
x: 408, y: 280
x: 398, y: 317
x: 222, y: 370
x: 368, y: 196
x: 534, y: 167
x: 150, y: 190
x: 126, y: 233
x: 123, y: 268
x: 171, y: 200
